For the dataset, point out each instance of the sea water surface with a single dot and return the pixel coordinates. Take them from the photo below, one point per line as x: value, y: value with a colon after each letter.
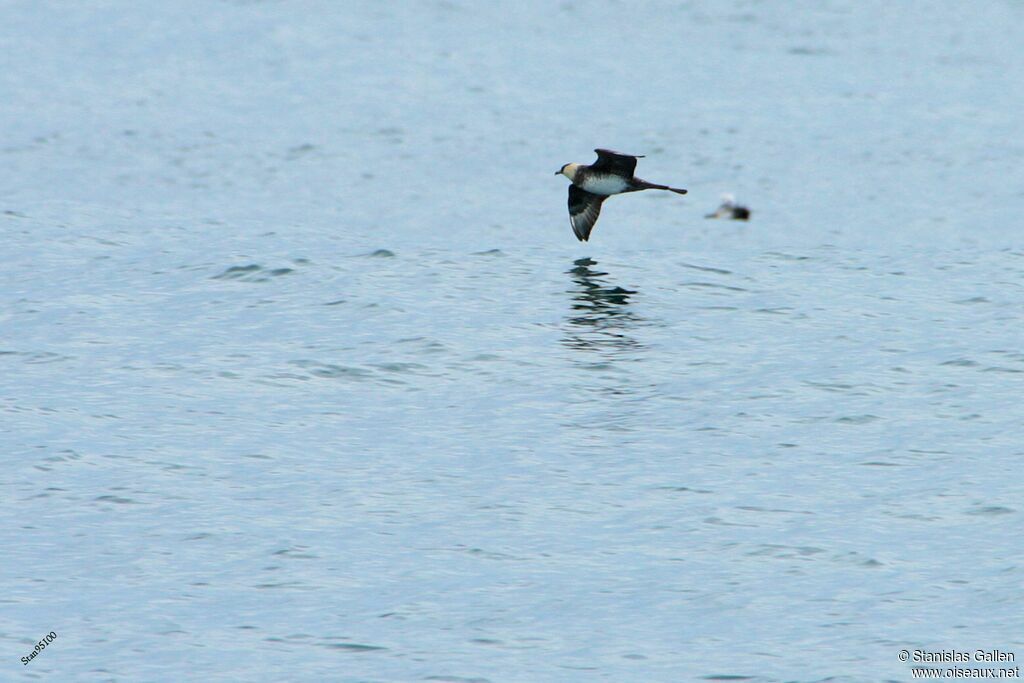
x: 304, y: 377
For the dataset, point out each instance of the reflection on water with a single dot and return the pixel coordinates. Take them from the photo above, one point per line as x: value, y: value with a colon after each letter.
x: 600, y: 317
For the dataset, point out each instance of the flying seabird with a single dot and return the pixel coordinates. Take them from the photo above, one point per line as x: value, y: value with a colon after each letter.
x: 612, y: 173
x: 730, y: 209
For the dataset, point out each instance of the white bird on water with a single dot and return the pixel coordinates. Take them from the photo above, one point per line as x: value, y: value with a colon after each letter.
x: 730, y: 209
x: 612, y: 173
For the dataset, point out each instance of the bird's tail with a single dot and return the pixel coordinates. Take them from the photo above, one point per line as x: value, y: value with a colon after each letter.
x: 644, y: 185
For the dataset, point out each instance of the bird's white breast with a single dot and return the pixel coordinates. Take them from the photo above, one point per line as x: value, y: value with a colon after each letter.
x: 605, y: 184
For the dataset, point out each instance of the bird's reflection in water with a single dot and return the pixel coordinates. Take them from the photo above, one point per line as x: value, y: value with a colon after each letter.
x: 600, y: 317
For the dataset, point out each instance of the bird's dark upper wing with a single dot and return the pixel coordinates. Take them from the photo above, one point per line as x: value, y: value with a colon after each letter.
x: 584, y: 208
x: 615, y: 162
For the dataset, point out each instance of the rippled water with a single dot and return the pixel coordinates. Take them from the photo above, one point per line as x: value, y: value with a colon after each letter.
x: 304, y: 376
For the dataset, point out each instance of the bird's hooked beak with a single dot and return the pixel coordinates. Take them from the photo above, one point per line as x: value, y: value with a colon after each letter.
x: 558, y: 172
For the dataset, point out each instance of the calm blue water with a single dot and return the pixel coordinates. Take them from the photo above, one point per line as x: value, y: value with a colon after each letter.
x: 304, y: 376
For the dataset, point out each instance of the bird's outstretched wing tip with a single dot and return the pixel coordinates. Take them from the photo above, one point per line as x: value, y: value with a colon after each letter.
x: 578, y: 230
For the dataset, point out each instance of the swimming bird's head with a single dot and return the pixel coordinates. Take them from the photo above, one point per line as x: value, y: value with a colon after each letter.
x: 569, y: 171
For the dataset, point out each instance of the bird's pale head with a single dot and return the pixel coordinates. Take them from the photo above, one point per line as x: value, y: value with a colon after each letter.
x: 569, y: 171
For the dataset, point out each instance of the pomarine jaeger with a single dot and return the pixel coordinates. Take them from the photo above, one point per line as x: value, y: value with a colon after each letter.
x: 730, y: 209
x: 612, y: 173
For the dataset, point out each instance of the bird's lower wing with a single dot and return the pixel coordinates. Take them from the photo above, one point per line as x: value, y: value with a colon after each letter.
x: 584, y: 208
